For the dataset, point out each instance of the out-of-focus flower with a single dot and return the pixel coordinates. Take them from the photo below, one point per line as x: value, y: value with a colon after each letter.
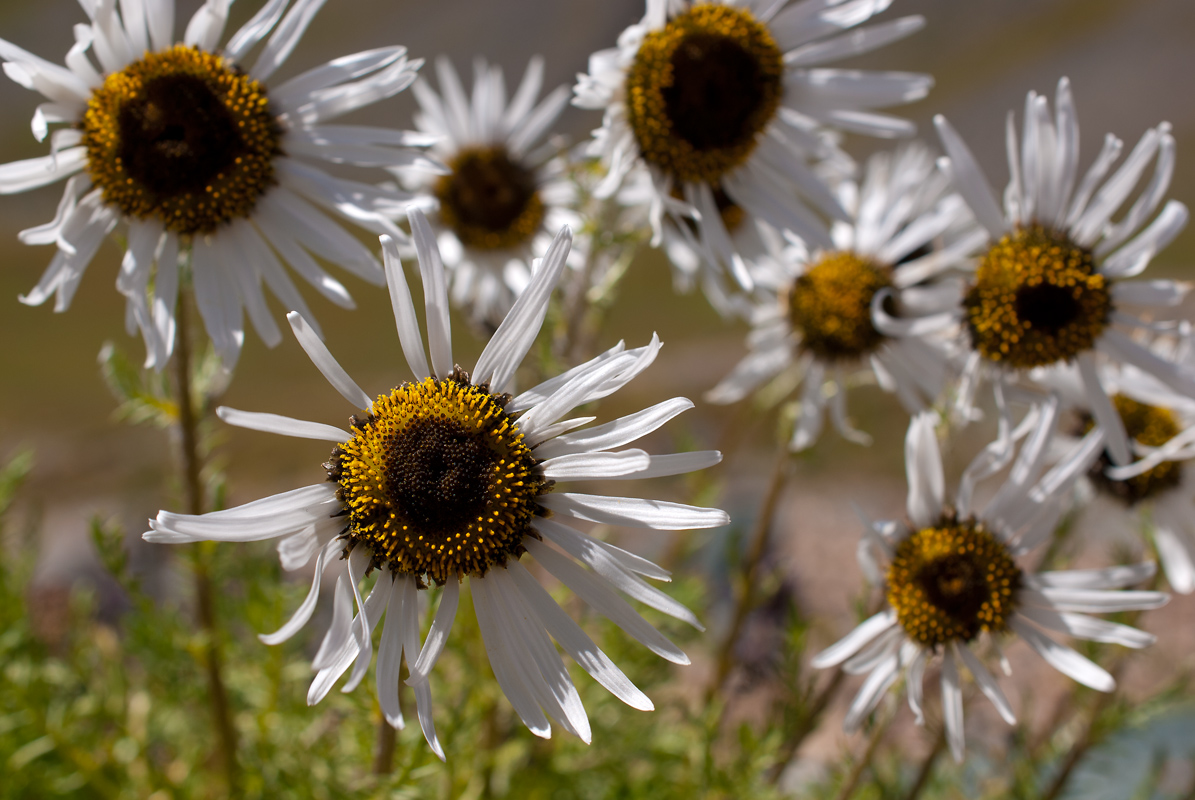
x: 446, y: 478
x: 185, y: 142
x: 1052, y: 284
x: 953, y: 583
x: 1157, y: 488
x: 725, y: 104
x: 812, y: 316
x: 505, y: 191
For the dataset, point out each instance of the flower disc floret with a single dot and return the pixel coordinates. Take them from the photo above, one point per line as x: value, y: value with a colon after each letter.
x: 701, y: 90
x: 949, y: 582
x: 830, y: 306
x: 183, y: 136
x: 1151, y: 426
x: 1036, y: 301
x: 438, y: 481
x: 489, y: 199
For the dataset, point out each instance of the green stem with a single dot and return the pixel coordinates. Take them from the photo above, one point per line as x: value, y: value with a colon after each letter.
x: 1091, y: 734
x: 745, y: 600
x: 873, y: 742
x: 192, y: 458
x: 579, y: 325
x: 806, y: 724
x: 383, y: 757
x: 927, y: 767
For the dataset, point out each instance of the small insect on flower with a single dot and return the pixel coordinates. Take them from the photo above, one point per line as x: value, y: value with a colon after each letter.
x: 954, y: 584
x: 187, y: 145
x: 726, y: 104
x: 812, y: 319
x: 505, y: 191
x: 446, y: 478
x: 1052, y: 283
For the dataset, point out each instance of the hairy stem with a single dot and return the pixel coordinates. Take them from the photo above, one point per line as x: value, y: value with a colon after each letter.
x: 192, y: 468
x: 746, y: 595
x: 927, y: 767
x: 383, y: 754
x: 806, y: 724
x: 1091, y: 732
x: 864, y: 762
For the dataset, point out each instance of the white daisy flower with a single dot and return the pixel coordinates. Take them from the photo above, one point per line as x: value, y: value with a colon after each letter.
x: 184, y: 142
x: 726, y: 102
x: 812, y: 318
x: 953, y: 582
x: 1052, y: 284
x: 505, y: 190
x: 447, y: 477
x: 1160, y: 424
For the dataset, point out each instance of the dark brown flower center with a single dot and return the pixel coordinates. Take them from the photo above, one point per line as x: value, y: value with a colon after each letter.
x: 490, y: 200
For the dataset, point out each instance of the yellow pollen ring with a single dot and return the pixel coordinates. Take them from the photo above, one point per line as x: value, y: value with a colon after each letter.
x: 1036, y: 300
x: 830, y: 306
x: 952, y: 581
x: 660, y: 135
x: 204, y: 178
x: 1152, y: 426
x: 438, y: 481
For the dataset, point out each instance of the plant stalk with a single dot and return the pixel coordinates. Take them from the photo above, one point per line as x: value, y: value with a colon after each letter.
x: 192, y: 468
x: 927, y: 767
x: 873, y: 742
x: 746, y: 598
x: 383, y: 757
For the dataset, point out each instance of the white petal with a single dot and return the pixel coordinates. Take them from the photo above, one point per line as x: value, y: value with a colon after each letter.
x: 1106, y: 578
x: 856, y: 640
x: 435, y: 296
x: 952, y: 707
x: 506, y: 348
x: 970, y: 180
x: 500, y: 646
x: 1095, y: 601
x: 633, y: 511
x: 987, y: 684
x: 287, y: 426
x: 303, y: 613
x: 923, y: 466
x: 1064, y: 659
x: 574, y: 641
x: 326, y: 363
x: 340, y: 628
x: 537, y: 394
x: 404, y: 311
x: 390, y: 653
x: 20, y: 176
x: 1116, y: 440
x: 602, y: 599
x: 437, y: 637
x: 254, y: 30
x: 589, y: 466
x: 602, y: 557
x: 1090, y: 628
x: 870, y: 694
x: 206, y: 27
x: 285, y: 37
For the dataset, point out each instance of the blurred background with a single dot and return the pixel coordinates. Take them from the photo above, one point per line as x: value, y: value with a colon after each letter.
x: 1131, y: 64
